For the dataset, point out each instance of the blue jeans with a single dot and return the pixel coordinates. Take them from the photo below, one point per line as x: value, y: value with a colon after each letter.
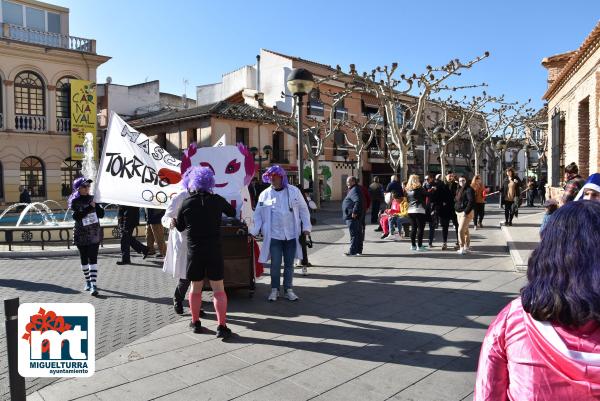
x: 286, y: 250
x: 398, y: 222
x: 356, y: 236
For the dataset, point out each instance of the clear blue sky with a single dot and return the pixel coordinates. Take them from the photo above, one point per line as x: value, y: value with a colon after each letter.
x: 200, y: 40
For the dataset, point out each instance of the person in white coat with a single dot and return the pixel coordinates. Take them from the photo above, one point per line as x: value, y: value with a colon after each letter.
x: 282, y: 216
x: 175, y: 261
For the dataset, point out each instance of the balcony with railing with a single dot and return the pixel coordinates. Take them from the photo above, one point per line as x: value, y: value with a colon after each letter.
x: 49, y: 39
x: 377, y: 154
x: 30, y: 123
x: 63, y: 125
x: 280, y: 156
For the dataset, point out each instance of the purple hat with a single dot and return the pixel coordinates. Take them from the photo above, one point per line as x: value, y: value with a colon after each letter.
x: 77, y: 183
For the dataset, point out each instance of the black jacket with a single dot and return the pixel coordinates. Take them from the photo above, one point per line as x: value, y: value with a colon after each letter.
x: 154, y: 216
x: 416, y: 198
x: 353, y: 203
x: 465, y: 199
x: 443, y: 201
x: 200, y: 215
x: 129, y: 216
x: 86, y: 234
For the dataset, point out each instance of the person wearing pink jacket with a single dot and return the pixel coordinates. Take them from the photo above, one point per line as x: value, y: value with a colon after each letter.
x: 545, y: 345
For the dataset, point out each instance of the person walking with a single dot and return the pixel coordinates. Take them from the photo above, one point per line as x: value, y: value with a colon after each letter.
x: 542, y: 190
x: 479, y: 208
x: 87, y: 233
x: 444, y: 206
x: 200, y: 217
x: 510, y: 196
x: 545, y: 345
x: 452, y: 184
x: 573, y: 184
x: 464, y: 204
x: 431, y: 216
x: 129, y: 219
x: 531, y: 191
x: 282, y: 216
x: 377, y: 199
x: 416, y: 212
x: 352, y: 213
x: 155, y: 232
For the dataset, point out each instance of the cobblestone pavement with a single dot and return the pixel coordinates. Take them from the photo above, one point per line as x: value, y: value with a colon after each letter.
x: 390, y: 325
x: 134, y: 300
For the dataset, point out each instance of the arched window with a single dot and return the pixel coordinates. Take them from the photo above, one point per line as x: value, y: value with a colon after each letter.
x: 33, y: 177
x: 30, y: 105
x: 63, y: 104
x: 70, y: 170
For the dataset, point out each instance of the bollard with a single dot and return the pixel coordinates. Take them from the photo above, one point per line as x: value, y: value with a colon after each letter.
x: 16, y: 381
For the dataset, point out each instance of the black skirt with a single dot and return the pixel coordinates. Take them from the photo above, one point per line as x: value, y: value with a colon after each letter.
x: 205, y: 260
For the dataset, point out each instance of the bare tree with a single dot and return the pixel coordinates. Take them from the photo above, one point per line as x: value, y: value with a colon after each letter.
x: 359, y: 136
x: 316, y: 132
x: 392, y: 91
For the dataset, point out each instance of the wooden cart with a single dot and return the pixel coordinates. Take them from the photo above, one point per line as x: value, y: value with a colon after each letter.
x: 238, y: 257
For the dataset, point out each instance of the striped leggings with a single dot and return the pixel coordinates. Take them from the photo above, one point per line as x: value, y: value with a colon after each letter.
x: 89, y: 261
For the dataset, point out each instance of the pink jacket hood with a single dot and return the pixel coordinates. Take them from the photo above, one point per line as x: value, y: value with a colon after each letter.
x: 524, y: 359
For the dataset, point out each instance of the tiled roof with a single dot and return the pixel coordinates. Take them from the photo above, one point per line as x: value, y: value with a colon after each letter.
x: 589, y: 45
x: 300, y: 60
x: 559, y: 57
x: 234, y: 111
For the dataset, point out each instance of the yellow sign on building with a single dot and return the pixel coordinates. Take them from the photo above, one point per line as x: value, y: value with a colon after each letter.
x: 83, y: 116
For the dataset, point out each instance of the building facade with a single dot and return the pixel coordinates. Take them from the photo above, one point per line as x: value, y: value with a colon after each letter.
x: 573, y: 97
x: 38, y: 58
x: 269, y: 77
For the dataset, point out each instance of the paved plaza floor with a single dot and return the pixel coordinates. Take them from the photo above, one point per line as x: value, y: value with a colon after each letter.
x: 391, y: 324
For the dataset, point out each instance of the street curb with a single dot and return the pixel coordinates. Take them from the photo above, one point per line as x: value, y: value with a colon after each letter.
x: 56, y: 253
x: 518, y: 262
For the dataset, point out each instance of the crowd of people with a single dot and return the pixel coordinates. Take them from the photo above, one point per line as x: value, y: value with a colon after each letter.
x: 407, y: 208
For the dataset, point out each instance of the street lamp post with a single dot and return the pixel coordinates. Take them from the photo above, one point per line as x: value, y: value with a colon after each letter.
x: 300, y: 82
x: 267, y: 149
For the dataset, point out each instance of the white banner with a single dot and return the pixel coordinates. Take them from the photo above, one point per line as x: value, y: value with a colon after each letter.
x: 134, y: 170
x: 221, y: 142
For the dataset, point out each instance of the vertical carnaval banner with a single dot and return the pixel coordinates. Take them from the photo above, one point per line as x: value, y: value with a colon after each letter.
x: 83, y: 116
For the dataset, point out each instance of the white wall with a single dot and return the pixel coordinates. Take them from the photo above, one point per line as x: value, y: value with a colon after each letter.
x: 233, y: 82
x: 274, y: 70
x: 124, y: 100
x: 208, y: 94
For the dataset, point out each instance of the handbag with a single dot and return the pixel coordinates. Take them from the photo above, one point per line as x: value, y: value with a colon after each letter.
x: 388, y: 198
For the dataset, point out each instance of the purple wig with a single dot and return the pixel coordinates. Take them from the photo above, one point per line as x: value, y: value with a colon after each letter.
x: 199, y: 178
x: 563, y: 272
x: 275, y: 170
x: 76, y: 184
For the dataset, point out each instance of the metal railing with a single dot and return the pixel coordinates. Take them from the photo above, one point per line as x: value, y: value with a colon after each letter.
x: 30, y: 123
x: 63, y: 125
x: 43, y: 235
x: 376, y: 154
x: 51, y: 39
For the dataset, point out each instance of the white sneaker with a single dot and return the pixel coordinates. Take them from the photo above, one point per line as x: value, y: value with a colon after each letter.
x: 467, y: 249
x: 289, y: 294
x: 461, y: 251
x: 273, y: 295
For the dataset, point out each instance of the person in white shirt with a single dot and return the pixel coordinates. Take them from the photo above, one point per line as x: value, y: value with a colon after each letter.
x: 282, y: 216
